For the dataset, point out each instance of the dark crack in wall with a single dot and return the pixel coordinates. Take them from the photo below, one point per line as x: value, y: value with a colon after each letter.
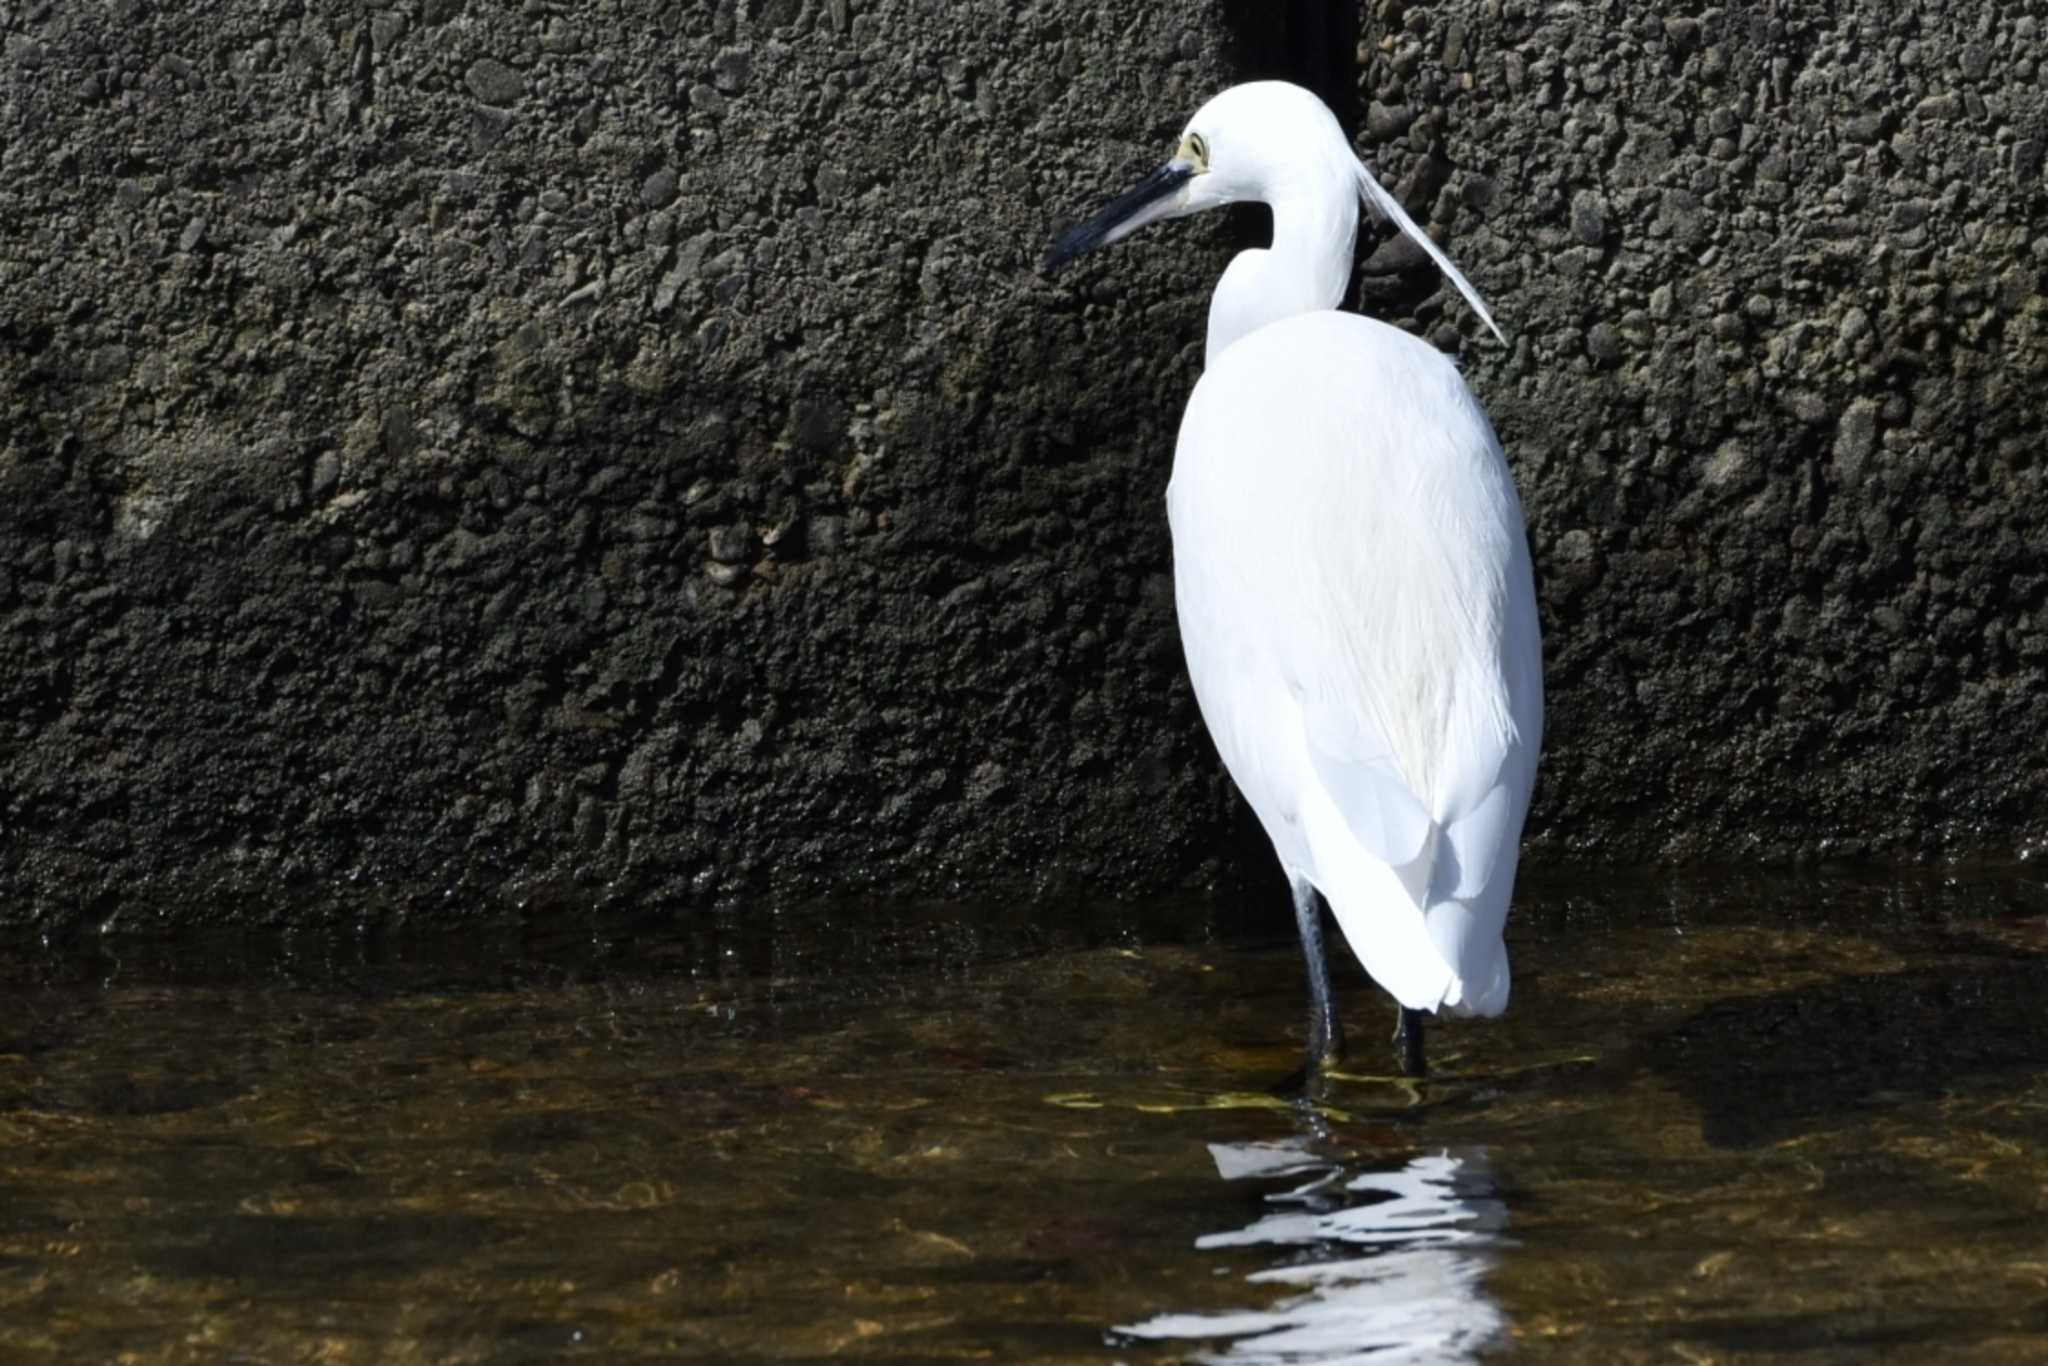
x: 454, y: 453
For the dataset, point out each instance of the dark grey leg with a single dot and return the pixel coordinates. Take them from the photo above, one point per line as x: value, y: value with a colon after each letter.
x: 1408, y: 1042
x: 1325, y: 1035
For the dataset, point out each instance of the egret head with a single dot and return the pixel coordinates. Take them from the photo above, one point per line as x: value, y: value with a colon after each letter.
x: 1252, y: 142
x: 1268, y: 141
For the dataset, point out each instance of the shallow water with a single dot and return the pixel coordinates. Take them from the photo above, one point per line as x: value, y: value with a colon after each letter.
x: 1724, y: 1120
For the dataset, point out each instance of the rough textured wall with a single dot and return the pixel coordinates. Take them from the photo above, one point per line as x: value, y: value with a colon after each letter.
x: 1776, y: 397
x: 459, y: 445
x: 451, y: 447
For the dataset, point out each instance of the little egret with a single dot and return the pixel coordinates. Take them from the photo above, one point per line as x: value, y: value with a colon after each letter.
x: 1351, y: 574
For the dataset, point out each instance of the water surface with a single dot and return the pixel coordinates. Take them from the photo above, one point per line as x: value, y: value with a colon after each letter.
x: 1795, y: 1119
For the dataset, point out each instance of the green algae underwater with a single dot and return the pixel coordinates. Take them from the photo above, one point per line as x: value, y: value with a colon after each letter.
x: 1754, y: 1118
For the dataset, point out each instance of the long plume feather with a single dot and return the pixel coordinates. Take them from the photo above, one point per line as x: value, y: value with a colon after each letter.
x: 1386, y: 206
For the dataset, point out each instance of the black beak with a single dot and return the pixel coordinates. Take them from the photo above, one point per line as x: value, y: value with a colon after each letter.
x: 1083, y: 238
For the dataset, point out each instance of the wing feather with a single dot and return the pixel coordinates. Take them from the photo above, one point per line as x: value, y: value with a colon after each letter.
x: 1355, y: 597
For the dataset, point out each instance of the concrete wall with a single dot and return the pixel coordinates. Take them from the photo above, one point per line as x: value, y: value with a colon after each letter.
x: 630, y: 447
x: 1776, y: 397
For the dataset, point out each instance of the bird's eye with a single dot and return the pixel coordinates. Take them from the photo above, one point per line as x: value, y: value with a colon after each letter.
x: 1200, y: 147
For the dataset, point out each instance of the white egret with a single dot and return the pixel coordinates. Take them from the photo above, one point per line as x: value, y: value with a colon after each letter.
x: 1351, y: 574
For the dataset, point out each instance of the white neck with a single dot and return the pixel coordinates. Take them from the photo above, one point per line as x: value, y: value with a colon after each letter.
x: 1305, y: 271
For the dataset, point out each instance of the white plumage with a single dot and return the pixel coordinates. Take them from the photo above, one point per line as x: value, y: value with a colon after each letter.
x: 1350, y: 567
x: 1355, y: 601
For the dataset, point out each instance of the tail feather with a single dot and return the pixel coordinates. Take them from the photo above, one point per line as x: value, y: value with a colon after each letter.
x: 1376, y: 911
x: 1467, y: 939
x: 1431, y: 952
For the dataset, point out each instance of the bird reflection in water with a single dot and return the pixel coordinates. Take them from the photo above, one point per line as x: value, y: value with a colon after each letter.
x: 1389, y: 1263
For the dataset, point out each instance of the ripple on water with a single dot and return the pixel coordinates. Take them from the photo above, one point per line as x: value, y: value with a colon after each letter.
x: 1725, y: 1119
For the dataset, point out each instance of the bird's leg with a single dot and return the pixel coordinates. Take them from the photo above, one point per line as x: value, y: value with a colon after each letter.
x: 1408, y: 1042
x: 1325, y: 1035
